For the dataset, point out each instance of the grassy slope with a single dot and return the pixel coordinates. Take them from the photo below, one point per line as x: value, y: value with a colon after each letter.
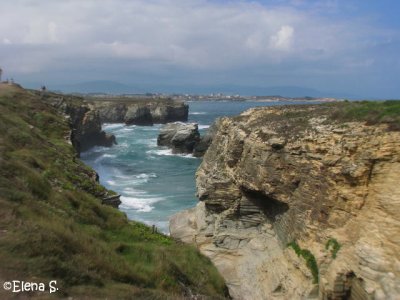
x: 53, y: 227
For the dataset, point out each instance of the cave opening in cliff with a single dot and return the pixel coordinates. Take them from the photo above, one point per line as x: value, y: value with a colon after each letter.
x: 268, y: 205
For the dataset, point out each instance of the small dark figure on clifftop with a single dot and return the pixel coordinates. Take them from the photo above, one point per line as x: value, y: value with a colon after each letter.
x: 43, y: 88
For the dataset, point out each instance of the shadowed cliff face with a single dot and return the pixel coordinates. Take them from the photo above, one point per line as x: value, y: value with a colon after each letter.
x: 86, y: 117
x: 85, y: 122
x: 273, y: 176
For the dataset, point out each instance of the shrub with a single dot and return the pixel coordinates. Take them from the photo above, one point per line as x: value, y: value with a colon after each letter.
x: 311, y: 262
x: 334, y: 246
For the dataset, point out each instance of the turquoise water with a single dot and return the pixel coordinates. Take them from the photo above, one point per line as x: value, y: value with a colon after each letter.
x: 155, y: 184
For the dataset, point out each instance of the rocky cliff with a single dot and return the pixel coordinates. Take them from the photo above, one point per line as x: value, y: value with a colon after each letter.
x: 84, y: 121
x: 301, y: 202
x: 54, y: 226
x: 141, y: 112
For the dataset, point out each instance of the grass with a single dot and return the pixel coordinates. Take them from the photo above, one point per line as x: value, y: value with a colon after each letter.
x: 53, y: 226
x: 311, y: 263
x: 333, y: 245
x: 371, y: 112
x: 292, y: 120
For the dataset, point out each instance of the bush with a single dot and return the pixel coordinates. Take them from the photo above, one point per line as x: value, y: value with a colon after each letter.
x: 334, y: 247
x: 311, y: 262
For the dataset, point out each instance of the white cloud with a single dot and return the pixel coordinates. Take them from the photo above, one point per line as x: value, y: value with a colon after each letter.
x: 153, y: 37
x: 283, y: 38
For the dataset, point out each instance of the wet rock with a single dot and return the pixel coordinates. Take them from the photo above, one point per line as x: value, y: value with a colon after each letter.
x: 180, y: 137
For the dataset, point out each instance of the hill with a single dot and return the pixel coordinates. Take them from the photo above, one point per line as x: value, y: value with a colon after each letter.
x: 54, y: 227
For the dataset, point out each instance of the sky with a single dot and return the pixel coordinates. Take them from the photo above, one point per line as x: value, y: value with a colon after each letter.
x: 336, y: 46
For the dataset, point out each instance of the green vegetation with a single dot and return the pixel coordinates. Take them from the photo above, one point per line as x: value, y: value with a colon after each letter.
x: 371, y: 112
x: 53, y: 226
x: 334, y: 246
x: 311, y: 263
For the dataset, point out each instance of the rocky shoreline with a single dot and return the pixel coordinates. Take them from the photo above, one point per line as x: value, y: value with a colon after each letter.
x: 295, y: 204
x: 87, y: 117
x: 141, y: 112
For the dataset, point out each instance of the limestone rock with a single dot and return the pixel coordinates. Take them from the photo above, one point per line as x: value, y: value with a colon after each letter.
x: 85, y: 122
x: 180, y: 137
x: 136, y: 115
x: 141, y: 112
x: 205, y: 141
x: 275, y: 175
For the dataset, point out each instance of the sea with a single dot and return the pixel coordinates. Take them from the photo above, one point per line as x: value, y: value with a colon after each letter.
x: 154, y: 183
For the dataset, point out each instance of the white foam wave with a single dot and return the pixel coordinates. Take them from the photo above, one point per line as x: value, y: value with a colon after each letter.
x: 198, y: 113
x: 132, y: 192
x: 112, y: 126
x: 204, y: 126
x: 122, y: 145
x: 146, y: 176
x: 111, y: 182
x: 109, y: 155
x: 140, y: 204
x: 123, y: 177
x: 168, y: 152
x: 160, y: 152
x: 128, y: 128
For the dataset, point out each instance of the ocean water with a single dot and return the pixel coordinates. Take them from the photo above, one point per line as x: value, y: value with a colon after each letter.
x: 155, y: 184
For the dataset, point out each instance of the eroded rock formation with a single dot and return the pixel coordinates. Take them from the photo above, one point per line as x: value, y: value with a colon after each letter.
x: 185, y: 138
x: 205, y: 141
x: 278, y: 175
x: 141, y: 112
x: 85, y: 122
x: 180, y: 137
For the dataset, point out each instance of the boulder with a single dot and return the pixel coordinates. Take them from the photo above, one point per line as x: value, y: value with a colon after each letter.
x: 180, y: 137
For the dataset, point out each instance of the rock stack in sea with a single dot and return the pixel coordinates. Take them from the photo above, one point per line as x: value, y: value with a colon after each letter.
x: 185, y: 138
x: 180, y: 137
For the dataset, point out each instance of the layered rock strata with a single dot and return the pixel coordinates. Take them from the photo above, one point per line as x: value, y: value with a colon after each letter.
x: 274, y: 176
x: 205, y: 141
x: 85, y: 122
x: 185, y: 138
x: 143, y: 112
x: 180, y: 137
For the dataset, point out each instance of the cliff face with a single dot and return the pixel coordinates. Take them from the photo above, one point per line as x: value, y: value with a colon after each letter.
x: 274, y: 176
x: 84, y: 121
x: 143, y: 112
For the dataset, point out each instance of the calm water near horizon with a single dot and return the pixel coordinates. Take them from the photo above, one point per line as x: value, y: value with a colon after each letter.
x: 155, y: 184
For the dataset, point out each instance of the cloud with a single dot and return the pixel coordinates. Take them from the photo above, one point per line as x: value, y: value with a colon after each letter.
x: 168, y: 37
x: 283, y: 38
